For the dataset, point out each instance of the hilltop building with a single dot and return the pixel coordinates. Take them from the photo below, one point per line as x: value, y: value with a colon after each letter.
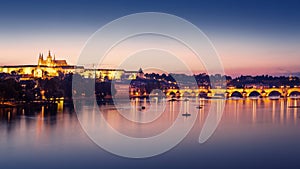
x: 51, y: 67
x: 51, y: 62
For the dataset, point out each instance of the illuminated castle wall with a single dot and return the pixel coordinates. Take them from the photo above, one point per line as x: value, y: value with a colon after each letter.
x: 45, y: 68
x: 50, y: 67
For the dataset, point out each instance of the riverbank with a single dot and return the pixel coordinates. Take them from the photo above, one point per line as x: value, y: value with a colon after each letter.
x: 26, y: 104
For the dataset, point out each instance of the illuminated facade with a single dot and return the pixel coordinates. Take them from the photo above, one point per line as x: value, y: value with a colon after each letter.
x: 51, y: 62
x: 50, y: 67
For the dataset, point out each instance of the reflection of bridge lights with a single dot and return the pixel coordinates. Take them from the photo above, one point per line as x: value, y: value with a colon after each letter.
x: 253, y: 111
x: 282, y: 107
x: 273, y: 110
x: 295, y: 112
x: 8, y: 116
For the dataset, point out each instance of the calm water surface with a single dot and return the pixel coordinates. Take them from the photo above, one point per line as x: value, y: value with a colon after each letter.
x: 259, y: 133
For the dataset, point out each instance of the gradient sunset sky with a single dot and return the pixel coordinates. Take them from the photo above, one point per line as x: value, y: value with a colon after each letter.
x: 251, y: 37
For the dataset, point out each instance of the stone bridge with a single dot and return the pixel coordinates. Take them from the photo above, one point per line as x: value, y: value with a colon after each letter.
x: 235, y: 92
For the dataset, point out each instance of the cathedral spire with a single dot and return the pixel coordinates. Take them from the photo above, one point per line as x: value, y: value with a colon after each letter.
x: 40, y: 55
x: 49, y: 54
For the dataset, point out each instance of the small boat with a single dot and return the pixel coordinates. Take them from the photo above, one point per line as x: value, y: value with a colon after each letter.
x: 142, y: 108
x: 186, y: 114
x: 198, y: 107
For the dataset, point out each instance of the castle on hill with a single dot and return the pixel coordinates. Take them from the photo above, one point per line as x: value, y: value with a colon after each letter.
x: 51, y: 67
x: 50, y: 62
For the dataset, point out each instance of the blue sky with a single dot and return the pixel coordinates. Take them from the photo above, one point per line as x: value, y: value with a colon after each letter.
x: 251, y: 37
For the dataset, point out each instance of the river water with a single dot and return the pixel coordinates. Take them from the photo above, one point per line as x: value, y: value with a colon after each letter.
x: 252, y: 133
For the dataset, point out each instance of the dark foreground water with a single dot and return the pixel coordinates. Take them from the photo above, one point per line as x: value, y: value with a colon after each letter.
x: 260, y: 133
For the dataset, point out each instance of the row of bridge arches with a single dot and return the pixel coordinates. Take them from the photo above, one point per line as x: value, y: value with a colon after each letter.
x: 187, y: 94
x: 255, y: 94
x: 270, y: 93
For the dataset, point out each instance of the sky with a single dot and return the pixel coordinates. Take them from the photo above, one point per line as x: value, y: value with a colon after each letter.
x: 251, y: 37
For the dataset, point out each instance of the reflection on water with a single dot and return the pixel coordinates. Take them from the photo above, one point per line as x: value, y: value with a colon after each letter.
x: 250, y: 130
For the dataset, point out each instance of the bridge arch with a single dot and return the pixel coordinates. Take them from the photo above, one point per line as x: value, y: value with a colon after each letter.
x: 293, y: 91
x: 254, y: 94
x: 193, y: 93
x: 236, y: 94
x: 274, y: 93
x: 186, y: 94
x: 172, y: 94
x: 202, y: 94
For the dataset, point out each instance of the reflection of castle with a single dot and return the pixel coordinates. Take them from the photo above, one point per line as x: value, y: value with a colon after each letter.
x: 50, y: 67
